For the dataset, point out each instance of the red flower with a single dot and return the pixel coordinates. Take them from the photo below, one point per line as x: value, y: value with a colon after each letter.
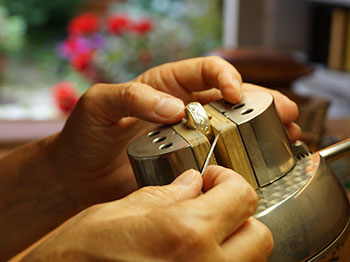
x: 65, y: 96
x: 87, y: 23
x: 119, y: 23
x: 144, y: 26
x: 82, y: 61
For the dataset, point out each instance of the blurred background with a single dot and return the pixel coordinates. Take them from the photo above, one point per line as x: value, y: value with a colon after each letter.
x: 53, y: 51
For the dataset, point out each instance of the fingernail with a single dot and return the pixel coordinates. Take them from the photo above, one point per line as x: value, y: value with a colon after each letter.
x: 237, y: 85
x: 169, y: 107
x: 238, y: 88
x: 186, y: 178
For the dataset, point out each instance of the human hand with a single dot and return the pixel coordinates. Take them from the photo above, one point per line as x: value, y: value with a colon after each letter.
x: 168, y: 223
x: 90, y: 153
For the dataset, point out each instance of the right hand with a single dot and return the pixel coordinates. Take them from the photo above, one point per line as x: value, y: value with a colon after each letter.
x: 167, y: 223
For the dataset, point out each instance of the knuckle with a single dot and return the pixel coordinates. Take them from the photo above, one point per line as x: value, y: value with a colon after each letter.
x: 153, y: 192
x: 156, y: 196
x: 88, y: 94
x: 90, y: 215
x: 94, y: 88
x: 180, y: 239
x: 185, y: 237
x: 191, y: 238
x: 89, y: 97
x: 215, y: 59
x: 92, y: 91
x: 250, y: 197
x: 94, y: 103
x: 129, y: 93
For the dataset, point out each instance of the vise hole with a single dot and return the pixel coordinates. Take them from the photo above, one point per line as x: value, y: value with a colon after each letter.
x: 153, y: 133
x: 247, y: 111
x: 238, y: 106
x: 165, y: 146
x: 159, y: 139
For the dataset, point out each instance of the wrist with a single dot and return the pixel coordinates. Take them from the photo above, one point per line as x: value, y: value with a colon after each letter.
x: 57, y: 176
x: 34, y: 198
x: 68, y: 241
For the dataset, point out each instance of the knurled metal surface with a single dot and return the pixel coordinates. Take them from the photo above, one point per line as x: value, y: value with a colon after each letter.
x: 287, y: 186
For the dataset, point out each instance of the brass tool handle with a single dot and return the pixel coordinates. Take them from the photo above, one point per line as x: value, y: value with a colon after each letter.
x: 336, y: 151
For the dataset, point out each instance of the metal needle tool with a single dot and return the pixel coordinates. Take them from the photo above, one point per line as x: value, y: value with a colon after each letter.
x: 207, y: 159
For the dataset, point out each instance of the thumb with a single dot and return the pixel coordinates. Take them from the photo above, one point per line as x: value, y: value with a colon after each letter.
x: 112, y: 102
x: 186, y: 186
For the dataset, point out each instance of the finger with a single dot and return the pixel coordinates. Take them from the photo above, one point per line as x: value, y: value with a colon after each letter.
x: 286, y: 108
x: 184, y: 77
x: 253, y: 241
x: 186, y: 186
x: 108, y: 103
x: 207, y: 96
x: 227, y: 202
x: 294, y: 131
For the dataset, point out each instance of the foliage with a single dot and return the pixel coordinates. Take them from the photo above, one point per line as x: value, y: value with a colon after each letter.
x: 44, y: 19
x: 12, y: 29
x: 139, y: 35
x: 200, y: 17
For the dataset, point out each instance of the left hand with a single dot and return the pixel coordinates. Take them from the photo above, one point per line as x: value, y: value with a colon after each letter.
x: 167, y: 223
x: 90, y: 153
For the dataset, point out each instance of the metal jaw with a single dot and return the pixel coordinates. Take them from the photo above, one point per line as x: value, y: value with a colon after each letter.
x: 253, y: 142
x: 301, y: 201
